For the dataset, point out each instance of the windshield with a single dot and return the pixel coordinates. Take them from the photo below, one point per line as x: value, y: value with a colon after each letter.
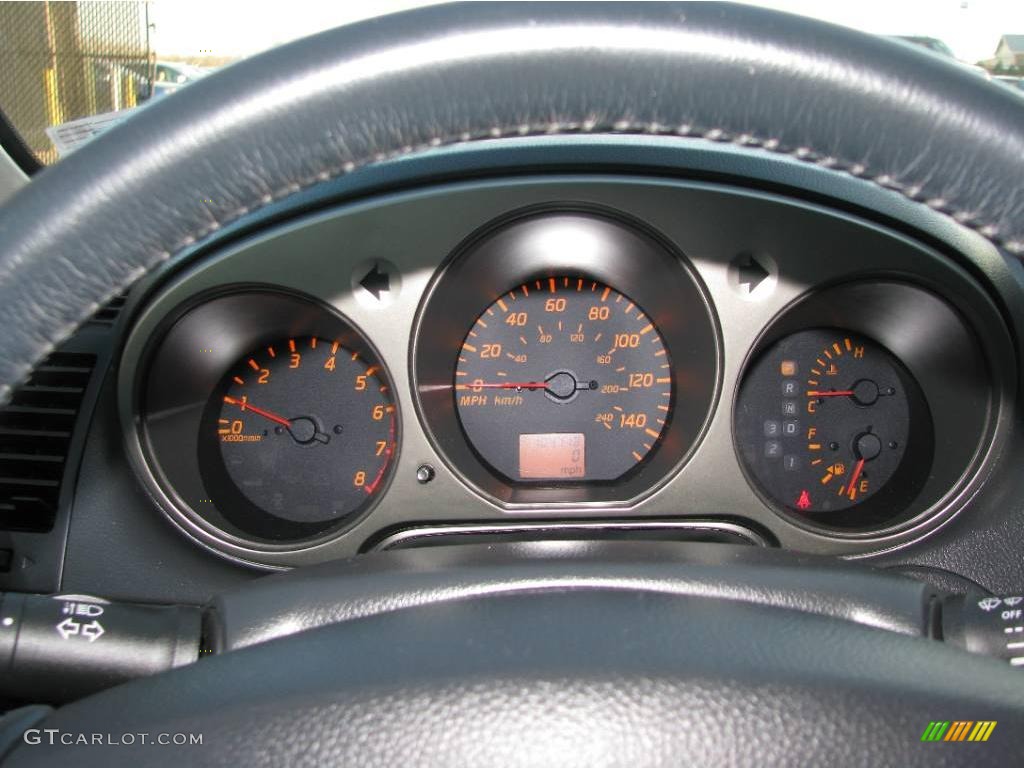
x: 69, y: 70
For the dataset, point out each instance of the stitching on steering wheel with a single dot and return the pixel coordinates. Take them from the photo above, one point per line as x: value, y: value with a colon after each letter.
x: 911, y: 191
x: 621, y: 127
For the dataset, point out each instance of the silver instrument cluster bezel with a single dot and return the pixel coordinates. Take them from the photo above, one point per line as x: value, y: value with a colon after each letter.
x: 585, y: 242
x: 414, y: 233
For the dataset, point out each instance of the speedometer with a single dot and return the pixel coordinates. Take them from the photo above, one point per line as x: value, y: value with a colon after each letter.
x: 563, y: 358
x: 563, y: 379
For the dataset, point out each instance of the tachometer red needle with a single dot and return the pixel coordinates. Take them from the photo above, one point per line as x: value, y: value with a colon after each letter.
x: 247, y: 406
x: 831, y: 393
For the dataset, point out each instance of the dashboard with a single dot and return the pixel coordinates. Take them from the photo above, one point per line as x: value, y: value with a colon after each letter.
x: 553, y: 308
x: 615, y: 354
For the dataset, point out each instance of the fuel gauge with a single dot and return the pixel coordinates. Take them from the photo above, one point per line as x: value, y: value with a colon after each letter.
x: 833, y: 428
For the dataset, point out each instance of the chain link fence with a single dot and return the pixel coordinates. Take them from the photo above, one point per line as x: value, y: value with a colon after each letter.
x: 60, y: 61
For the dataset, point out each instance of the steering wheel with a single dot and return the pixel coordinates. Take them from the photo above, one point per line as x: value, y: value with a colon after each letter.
x: 608, y: 656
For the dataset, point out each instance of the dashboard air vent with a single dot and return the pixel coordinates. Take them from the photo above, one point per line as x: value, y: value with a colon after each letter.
x: 107, y: 314
x: 35, y: 435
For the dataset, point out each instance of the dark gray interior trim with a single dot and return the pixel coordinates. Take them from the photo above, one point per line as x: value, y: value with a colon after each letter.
x: 15, y: 722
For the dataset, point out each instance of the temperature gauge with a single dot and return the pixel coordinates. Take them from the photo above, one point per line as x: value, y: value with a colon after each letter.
x: 831, y: 426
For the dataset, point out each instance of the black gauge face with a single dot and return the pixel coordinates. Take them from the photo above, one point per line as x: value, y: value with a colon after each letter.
x: 834, y: 429
x: 298, y: 438
x: 563, y: 379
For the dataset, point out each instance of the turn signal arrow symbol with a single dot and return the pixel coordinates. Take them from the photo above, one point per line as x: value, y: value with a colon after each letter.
x: 376, y: 282
x: 93, y: 630
x: 68, y: 627
x: 751, y: 273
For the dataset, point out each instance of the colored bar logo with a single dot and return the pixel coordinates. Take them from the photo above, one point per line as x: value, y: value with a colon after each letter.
x: 958, y: 730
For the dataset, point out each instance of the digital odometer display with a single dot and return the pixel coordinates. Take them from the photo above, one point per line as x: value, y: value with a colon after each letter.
x: 552, y: 456
x: 563, y: 379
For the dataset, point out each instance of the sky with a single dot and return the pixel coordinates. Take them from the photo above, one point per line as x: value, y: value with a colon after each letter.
x: 242, y: 27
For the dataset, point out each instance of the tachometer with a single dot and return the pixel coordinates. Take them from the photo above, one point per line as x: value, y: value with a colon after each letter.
x: 298, y: 438
x: 563, y: 379
x: 270, y: 424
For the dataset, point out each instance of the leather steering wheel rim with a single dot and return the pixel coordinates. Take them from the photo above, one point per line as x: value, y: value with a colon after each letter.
x: 562, y: 654
x: 269, y: 127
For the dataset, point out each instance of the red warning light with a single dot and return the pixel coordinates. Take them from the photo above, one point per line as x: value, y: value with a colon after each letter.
x: 804, y: 502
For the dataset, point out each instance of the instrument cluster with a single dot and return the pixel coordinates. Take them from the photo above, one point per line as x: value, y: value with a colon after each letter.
x: 561, y: 358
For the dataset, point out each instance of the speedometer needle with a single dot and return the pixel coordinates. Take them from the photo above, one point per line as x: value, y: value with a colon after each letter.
x: 509, y: 385
x: 245, y: 405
